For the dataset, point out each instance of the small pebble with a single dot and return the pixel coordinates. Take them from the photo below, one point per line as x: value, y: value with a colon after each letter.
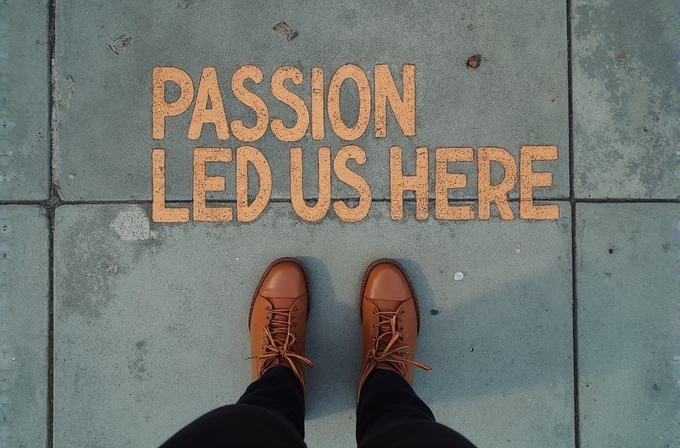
x: 458, y: 276
x: 474, y: 61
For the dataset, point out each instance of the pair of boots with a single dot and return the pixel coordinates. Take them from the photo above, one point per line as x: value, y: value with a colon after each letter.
x: 389, y: 315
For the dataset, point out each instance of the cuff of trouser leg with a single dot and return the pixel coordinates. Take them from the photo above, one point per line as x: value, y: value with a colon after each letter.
x: 239, y: 425
x: 414, y: 433
x: 365, y: 386
x: 381, y: 380
x: 387, y: 397
x: 280, y: 392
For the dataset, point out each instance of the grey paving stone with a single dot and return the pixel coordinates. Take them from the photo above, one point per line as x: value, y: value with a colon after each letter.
x: 24, y: 127
x: 106, y: 51
x: 628, y: 332
x: 625, y: 99
x: 151, y: 332
x: 24, y: 281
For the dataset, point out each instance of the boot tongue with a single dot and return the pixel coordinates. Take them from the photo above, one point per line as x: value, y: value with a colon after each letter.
x: 281, y: 302
x: 387, y: 305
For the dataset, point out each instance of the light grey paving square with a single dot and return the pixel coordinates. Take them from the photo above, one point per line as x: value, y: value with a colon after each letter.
x: 629, y: 324
x: 24, y: 100
x: 106, y: 53
x: 151, y: 331
x: 24, y: 306
x: 626, y: 98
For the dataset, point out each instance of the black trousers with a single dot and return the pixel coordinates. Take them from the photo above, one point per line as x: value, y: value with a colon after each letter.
x: 271, y: 413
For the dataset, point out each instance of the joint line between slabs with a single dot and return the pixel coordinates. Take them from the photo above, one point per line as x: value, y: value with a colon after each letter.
x: 50, y: 206
x: 575, y: 342
x: 573, y: 202
x: 55, y: 202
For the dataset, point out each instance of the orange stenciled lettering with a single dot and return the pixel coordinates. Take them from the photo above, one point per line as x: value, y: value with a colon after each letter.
x: 530, y: 179
x: 299, y: 129
x: 318, y: 118
x: 349, y: 177
x: 208, y: 91
x: 246, y: 155
x: 257, y: 104
x: 318, y: 211
x: 204, y: 183
x: 498, y: 193
x: 417, y: 183
x: 159, y: 212
x: 161, y: 109
x: 404, y: 107
x: 444, y: 181
x: 356, y: 74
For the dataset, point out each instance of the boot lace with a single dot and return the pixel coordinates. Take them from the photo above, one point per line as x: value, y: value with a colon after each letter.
x: 387, y: 348
x: 279, y: 344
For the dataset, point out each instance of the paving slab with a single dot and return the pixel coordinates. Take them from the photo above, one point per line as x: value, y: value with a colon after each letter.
x: 151, y: 332
x: 626, y: 99
x: 24, y: 285
x: 106, y: 52
x: 24, y: 101
x: 629, y: 324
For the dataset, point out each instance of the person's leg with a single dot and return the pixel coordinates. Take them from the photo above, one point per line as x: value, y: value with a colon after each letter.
x: 271, y: 412
x: 280, y: 392
x: 389, y: 413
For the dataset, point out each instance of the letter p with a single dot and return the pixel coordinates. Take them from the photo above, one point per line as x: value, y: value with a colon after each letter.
x: 161, y: 108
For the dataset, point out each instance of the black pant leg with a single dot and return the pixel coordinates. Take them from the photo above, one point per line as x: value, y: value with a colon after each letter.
x: 279, y: 391
x: 270, y: 413
x: 389, y: 413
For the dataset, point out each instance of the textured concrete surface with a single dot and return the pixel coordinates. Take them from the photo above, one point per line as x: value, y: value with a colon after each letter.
x: 626, y: 99
x: 24, y: 101
x: 517, y: 96
x: 24, y: 307
x: 157, y: 357
x: 115, y: 330
x: 628, y: 302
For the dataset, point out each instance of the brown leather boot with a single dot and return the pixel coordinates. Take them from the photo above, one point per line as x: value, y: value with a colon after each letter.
x: 391, y: 320
x: 278, y: 319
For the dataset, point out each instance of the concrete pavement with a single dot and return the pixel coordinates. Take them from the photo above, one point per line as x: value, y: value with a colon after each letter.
x: 156, y: 156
